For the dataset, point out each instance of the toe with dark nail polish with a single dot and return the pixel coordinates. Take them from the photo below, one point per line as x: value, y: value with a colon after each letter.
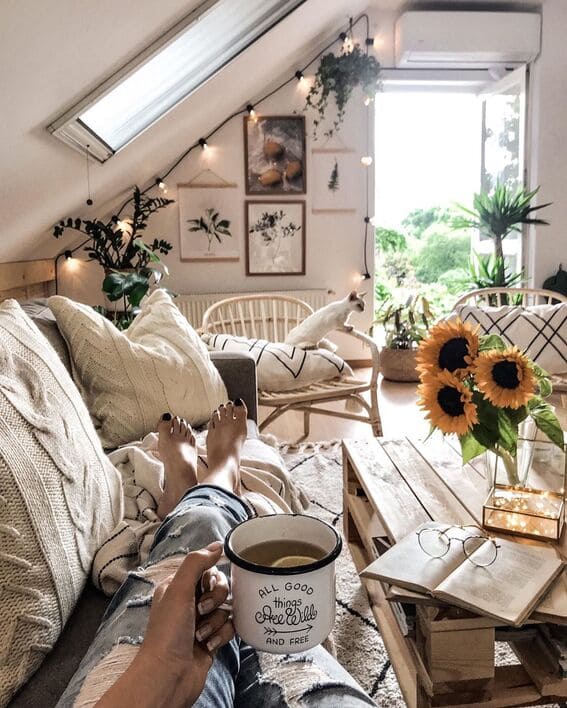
x: 166, y: 416
x: 238, y: 402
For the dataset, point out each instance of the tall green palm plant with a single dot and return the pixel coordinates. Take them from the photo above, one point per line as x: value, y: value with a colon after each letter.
x: 497, y: 215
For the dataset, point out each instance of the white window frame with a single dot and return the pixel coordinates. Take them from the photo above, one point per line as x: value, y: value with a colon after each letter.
x: 72, y: 131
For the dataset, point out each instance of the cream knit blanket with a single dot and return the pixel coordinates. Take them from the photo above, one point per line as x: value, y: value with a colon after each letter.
x: 263, y: 473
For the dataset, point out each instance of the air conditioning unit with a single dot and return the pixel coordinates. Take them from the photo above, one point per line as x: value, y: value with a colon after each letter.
x: 471, y: 40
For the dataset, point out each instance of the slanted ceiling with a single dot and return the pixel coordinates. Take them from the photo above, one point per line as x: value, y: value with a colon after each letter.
x: 53, y: 53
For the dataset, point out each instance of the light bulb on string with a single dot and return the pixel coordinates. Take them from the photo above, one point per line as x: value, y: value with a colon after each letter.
x: 299, y: 76
x: 366, y: 160
x: 203, y: 143
x: 161, y: 184
x: 250, y: 110
x: 68, y: 255
x: 367, y: 100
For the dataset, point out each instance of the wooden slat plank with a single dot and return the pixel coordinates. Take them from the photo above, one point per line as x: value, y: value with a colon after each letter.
x: 396, y: 504
x: 464, y: 481
x: 436, y: 497
x: 25, y: 273
x: 398, y: 648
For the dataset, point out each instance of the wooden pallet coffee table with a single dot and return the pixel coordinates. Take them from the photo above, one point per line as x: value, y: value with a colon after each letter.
x: 446, y: 656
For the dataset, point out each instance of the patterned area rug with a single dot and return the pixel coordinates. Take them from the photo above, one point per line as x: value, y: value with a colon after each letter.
x: 318, y: 470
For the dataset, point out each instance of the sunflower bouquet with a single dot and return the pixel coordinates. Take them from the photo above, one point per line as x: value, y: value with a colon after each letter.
x: 481, y: 389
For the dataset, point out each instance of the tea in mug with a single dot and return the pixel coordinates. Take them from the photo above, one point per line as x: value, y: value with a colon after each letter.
x: 282, y: 553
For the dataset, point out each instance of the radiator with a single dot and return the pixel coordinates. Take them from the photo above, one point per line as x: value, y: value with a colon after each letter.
x: 193, y: 306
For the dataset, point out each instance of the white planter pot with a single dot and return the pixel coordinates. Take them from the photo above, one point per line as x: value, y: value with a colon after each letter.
x: 283, y: 610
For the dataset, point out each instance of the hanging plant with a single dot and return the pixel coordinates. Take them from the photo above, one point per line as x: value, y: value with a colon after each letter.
x: 339, y: 76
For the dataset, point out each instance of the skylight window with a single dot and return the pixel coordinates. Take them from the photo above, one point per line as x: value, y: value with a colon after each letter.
x: 168, y: 72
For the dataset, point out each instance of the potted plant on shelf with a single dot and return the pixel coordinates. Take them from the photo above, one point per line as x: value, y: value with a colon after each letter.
x: 131, y: 264
x: 497, y: 215
x: 405, y: 326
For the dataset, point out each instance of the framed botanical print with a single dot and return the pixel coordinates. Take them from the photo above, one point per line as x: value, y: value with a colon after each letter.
x: 209, y: 222
x: 275, y: 238
x: 338, y: 180
x: 274, y: 155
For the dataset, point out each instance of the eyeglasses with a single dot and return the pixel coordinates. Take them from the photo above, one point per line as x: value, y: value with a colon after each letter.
x: 436, y: 543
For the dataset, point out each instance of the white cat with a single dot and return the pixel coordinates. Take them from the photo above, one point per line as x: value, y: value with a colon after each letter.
x: 310, y: 334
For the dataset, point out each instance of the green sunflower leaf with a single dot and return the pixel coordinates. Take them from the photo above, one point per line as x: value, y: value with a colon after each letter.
x: 546, y: 421
x: 470, y: 447
x: 488, y: 342
x: 517, y: 415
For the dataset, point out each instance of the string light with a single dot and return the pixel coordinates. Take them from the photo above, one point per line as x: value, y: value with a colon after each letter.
x: 251, y: 111
x: 203, y: 143
x: 299, y: 75
x: 366, y: 160
x: 68, y: 255
x: 161, y: 184
x: 367, y: 100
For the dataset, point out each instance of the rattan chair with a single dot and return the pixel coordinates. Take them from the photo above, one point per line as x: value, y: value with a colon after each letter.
x: 503, y: 296
x: 271, y: 317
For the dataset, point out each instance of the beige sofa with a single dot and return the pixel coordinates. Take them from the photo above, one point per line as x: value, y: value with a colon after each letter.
x: 46, y: 686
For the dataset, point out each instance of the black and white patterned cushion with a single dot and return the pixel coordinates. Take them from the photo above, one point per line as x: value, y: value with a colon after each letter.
x: 540, y: 330
x: 282, y: 367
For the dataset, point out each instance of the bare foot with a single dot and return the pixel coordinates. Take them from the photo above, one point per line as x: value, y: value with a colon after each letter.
x: 226, y: 436
x: 178, y: 451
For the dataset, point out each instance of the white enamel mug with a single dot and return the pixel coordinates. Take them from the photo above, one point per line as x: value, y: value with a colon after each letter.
x: 289, y: 609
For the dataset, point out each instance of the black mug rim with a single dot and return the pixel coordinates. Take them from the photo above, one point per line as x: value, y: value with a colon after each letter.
x: 327, y: 559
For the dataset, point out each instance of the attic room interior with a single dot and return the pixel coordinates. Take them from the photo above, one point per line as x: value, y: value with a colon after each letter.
x: 283, y: 354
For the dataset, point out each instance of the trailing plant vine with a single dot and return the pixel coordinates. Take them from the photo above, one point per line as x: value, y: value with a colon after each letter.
x: 339, y: 76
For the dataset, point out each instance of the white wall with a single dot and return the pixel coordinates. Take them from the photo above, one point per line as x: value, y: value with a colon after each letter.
x: 548, y: 245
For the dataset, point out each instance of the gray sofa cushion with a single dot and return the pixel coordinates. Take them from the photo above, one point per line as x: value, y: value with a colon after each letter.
x: 43, y: 318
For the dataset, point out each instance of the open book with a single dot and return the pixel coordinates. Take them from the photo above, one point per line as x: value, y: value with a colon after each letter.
x: 506, y: 590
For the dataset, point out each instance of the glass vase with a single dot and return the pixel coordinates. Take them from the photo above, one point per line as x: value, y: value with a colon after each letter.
x: 526, y: 494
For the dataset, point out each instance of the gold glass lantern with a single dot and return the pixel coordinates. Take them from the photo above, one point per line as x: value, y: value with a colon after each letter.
x: 527, y: 492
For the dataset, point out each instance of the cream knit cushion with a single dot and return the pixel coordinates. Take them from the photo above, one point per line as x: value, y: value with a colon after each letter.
x: 60, y: 497
x: 129, y: 379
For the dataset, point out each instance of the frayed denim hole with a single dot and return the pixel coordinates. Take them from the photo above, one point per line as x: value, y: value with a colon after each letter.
x: 134, y: 641
x: 141, y: 601
x: 292, y: 659
x: 342, y: 688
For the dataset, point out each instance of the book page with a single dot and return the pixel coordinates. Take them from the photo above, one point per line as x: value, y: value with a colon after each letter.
x: 510, y: 587
x: 406, y: 563
x: 553, y: 607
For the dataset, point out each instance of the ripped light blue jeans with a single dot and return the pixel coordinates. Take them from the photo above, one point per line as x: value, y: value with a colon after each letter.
x: 240, y: 676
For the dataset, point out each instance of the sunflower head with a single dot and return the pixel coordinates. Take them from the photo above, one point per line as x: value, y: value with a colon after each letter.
x: 450, y: 346
x: 505, y: 377
x: 448, y: 403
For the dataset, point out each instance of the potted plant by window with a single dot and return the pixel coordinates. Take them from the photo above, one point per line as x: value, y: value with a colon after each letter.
x: 496, y: 215
x: 131, y: 264
x: 405, y: 326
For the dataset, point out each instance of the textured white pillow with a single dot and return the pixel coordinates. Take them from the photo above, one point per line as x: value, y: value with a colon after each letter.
x: 60, y: 497
x: 129, y: 379
x: 283, y: 367
x: 539, y: 330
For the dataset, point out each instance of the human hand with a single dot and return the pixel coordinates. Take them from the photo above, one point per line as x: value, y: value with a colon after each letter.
x: 176, y: 663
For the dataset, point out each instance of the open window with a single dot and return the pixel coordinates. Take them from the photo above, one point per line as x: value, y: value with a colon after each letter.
x: 166, y: 73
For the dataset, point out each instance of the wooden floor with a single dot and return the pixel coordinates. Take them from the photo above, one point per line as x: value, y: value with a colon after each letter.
x: 398, y: 409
